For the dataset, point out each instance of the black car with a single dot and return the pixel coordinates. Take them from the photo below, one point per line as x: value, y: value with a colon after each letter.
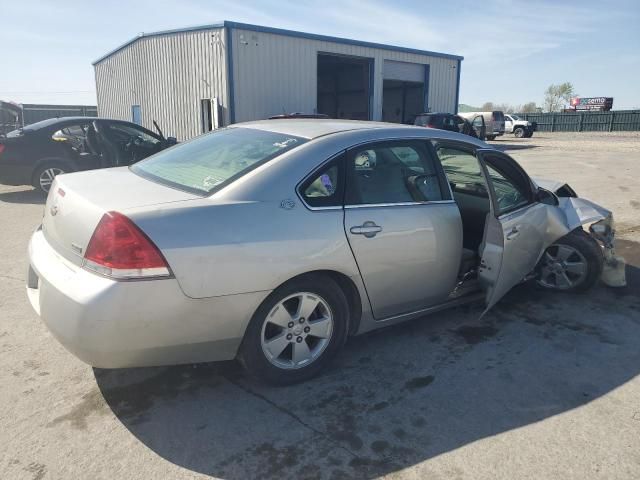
x: 284, y: 116
x: 33, y: 155
x: 453, y: 123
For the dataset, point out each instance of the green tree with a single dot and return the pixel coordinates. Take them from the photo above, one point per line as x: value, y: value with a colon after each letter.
x: 557, y: 96
x: 529, y: 107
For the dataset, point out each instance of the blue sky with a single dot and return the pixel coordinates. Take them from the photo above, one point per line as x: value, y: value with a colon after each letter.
x: 513, y: 49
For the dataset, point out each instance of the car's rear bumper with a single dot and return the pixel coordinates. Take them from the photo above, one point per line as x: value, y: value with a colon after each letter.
x: 113, y: 324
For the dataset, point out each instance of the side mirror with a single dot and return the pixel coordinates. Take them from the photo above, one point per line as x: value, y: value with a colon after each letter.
x: 171, y: 141
x: 547, y: 197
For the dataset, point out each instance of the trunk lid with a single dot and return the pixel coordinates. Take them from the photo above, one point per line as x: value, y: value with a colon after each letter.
x: 77, y: 202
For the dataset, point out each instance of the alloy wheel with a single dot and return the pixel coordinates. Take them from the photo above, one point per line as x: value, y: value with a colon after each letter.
x: 46, y: 177
x: 297, y: 330
x: 562, y: 267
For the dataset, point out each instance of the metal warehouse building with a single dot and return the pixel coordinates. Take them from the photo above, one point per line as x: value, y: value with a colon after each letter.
x: 197, y: 79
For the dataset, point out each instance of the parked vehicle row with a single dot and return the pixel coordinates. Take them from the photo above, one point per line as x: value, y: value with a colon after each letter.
x: 35, y: 154
x: 274, y: 241
x: 519, y: 127
x: 494, y: 122
x: 453, y: 123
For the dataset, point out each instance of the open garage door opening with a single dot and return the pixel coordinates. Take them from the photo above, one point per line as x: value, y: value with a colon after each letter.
x: 404, y: 91
x: 344, y: 86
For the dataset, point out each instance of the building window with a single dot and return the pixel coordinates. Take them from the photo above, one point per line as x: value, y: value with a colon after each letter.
x: 136, y: 114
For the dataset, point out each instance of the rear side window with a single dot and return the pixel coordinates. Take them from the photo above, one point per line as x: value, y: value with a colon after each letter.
x: 212, y: 161
x: 325, y: 187
x: 393, y: 172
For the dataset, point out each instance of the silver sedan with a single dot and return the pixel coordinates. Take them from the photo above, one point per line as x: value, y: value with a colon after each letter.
x: 274, y: 241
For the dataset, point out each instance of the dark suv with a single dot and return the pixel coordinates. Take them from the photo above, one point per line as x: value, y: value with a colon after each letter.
x: 35, y: 154
x: 453, y: 123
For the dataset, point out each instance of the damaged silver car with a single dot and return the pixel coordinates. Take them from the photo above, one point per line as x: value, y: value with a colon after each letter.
x: 273, y: 242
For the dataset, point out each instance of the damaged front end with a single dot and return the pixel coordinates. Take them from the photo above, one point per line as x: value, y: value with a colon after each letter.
x: 613, y: 273
x: 580, y: 212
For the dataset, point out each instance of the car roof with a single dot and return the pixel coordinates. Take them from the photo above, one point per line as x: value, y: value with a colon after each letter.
x: 312, y: 128
x: 54, y: 121
x: 436, y: 113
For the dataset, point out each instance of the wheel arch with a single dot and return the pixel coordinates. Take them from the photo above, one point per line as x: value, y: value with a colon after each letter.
x: 348, y: 287
x: 46, y: 160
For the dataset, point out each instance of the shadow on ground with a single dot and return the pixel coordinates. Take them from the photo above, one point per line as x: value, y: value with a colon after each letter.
x: 23, y: 196
x: 393, y: 398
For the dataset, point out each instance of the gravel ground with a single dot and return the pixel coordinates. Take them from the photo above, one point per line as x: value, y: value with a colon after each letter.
x: 542, y: 387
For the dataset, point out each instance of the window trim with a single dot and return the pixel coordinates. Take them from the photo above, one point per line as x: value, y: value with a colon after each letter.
x: 445, y: 188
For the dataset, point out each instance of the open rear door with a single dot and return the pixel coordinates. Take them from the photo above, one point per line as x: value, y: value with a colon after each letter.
x: 514, y: 229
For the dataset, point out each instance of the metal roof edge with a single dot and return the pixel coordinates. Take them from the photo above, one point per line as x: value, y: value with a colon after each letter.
x: 281, y: 31
x: 157, y: 34
x: 328, y: 38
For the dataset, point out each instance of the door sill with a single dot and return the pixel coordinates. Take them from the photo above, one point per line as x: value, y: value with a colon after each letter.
x: 461, y: 300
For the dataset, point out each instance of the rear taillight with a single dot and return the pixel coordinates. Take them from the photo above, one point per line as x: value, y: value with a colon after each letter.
x: 2, y: 147
x: 429, y: 125
x: 119, y: 249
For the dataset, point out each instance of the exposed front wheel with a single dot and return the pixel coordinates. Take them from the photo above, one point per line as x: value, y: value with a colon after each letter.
x: 518, y: 132
x: 572, y: 264
x: 296, y: 331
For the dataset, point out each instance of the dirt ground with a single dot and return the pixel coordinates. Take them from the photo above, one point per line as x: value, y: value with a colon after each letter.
x: 545, y: 386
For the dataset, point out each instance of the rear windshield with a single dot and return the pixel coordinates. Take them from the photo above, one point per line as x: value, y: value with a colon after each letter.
x: 210, y: 162
x: 498, y: 116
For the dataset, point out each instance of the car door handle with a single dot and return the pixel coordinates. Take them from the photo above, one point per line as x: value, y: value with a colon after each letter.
x: 368, y: 229
x: 513, y: 233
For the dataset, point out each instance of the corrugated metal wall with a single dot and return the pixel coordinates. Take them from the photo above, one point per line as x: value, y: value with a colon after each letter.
x: 167, y: 75
x: 276, y: 74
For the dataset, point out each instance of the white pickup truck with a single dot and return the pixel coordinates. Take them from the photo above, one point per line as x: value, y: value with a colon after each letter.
x: 519, y: 127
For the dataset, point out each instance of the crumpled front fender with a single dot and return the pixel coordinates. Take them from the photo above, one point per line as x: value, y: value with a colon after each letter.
x: 580, y: 211
x: 574, y: 212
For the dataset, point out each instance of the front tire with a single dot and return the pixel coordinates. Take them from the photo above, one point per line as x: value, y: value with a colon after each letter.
x: 491, y: 137
x: 518, y: 132
x: 572, y: 264
x: 296, y: 331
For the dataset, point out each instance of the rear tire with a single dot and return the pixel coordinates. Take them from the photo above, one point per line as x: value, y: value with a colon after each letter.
x: 491, y: 137
x: 287, y: 342
x: 518, y: 132
x: 572, y: 264
x: 43, y: 175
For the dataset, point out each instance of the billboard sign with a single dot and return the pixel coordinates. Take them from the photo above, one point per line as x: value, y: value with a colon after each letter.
x: 592, y: 103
